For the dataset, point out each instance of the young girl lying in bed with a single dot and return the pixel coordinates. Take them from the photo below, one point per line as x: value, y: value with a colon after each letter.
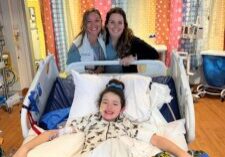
x: 108, y: 123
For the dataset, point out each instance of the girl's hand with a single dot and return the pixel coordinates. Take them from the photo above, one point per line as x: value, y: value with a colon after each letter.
x: 126, y: 61
x: 167, y: 145
x: 42, y: 138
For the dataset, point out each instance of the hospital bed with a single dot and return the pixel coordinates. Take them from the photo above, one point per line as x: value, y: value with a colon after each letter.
x: 47, y: 74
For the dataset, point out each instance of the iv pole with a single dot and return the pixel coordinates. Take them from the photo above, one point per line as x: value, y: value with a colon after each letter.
x: 2, y: 65
x: 5, y: 83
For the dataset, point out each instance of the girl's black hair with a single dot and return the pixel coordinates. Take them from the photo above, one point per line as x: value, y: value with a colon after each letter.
x: 117, y: 87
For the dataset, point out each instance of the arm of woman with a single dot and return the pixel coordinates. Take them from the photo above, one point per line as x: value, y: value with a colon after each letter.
x: 44, y: 137
x: 167, y: 145
x: 73, y: 55
x: 126, y: 61
x: 99, y: 69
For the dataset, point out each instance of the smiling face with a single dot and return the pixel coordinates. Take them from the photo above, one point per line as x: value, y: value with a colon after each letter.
x: 93, y: 24
x: 115, y: 25
x: 110, y: 106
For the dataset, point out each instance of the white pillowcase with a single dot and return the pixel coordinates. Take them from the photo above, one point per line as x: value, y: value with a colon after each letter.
x: 89, y: 86
x: 87, y: 90
x: 159, y: 95
x: 137, y: 95
x: 175, y: 131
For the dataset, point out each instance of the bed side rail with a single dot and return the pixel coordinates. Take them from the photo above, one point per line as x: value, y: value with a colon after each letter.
x: 42, y: 82
x: 184, y: 95
x: 145, y: 67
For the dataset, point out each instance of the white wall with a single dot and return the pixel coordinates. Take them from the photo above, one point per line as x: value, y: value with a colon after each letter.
x: 14, y: 24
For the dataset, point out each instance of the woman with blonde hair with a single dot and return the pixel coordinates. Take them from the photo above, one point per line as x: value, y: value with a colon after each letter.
x: 88, y: 44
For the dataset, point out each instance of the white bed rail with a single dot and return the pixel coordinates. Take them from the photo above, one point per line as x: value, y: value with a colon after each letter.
x: 45, y: 77
x: 149, y: 67
x: 184, y: 95
x: 157, y: 68
x: 48, y: 72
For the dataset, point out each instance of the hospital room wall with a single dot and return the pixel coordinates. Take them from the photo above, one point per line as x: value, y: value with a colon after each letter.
x: 21, y: 51
x: 12, y: 18
x: 155, y: 23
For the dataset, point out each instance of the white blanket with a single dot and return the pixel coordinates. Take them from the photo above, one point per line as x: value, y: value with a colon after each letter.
x: 129, y: 147
x: 71, y: 145
x: 122, y: 146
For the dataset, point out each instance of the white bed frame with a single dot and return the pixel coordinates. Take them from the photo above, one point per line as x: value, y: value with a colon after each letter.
x: 48, y: 72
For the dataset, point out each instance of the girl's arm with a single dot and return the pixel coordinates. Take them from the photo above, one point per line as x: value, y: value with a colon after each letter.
x: 167, y: 145
x: 44, y: 137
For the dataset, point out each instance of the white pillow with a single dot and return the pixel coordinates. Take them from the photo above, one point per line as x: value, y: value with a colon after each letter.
x: 66, y: 146
x: 175, y: 131
x: 159, y: 95
x: 87, y: 90
x: 89, y: 86
x: 137, y: 96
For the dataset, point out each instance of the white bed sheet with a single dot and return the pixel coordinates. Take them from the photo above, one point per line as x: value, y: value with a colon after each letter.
x: 71, y: 145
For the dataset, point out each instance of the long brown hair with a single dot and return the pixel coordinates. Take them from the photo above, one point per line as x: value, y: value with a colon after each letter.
x: 84, y: 23
x: 124, y: 43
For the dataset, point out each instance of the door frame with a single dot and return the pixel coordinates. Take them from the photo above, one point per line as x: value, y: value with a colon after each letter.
x: 13, y: 19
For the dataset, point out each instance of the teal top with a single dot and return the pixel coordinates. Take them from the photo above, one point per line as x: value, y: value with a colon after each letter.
x: 111, y: 54
x: 74, y: 55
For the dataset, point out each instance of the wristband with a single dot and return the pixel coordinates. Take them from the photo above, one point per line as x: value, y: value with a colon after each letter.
x: 67, y: 130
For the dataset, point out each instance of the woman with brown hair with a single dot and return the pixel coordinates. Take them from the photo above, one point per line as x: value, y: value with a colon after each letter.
x: 122, y: 44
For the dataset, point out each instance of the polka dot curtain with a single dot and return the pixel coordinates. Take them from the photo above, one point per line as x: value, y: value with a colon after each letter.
x: 168, y: 24
x: 103, y: 6
x: 175, y: 28
x: 160, y: 17
x: 86, y: 4
x: 162, y: 21
x: 48, y: 27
